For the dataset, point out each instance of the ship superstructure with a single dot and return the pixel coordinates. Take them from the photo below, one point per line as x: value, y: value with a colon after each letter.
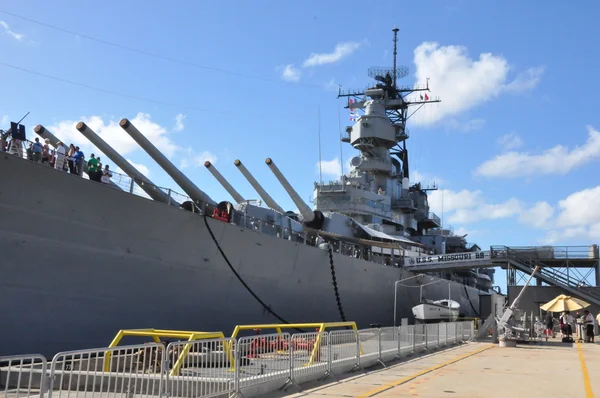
x: 377, y: 192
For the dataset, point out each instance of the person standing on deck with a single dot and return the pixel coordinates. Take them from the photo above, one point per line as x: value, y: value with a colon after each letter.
x: 59, y: 164
x: 46, y: 152
x: 106, y: 174
x: 70, y: 161
x: 37, y: 150
x: 598, y: 323
x: 78, y: 160
x: 93, y: 168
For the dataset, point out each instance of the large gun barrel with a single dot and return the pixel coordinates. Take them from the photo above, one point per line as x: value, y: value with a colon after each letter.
x: 234, y: 194
x: 45, y: 134
x: 263, y: 194
x: 181, y: 179
x: 152, y: 190
x: 312, y: 219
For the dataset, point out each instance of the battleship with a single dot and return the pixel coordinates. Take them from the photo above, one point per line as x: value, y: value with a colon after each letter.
x: 82, y: 260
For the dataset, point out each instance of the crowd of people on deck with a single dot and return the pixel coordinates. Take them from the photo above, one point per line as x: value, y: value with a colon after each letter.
x: 60, y: 157
x: 568, y: 323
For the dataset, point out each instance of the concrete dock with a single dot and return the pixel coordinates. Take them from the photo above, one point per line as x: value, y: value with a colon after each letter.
x: 545, y: 369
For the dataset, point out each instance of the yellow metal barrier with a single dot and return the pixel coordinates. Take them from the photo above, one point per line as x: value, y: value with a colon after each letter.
x: 321, y: 326
x: 156, y: 334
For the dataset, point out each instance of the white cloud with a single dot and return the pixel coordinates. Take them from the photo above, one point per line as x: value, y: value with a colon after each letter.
x: 466, y: 206
x: 557, y: 160
x: 113, y: 134
x: 289, y: 73
x: 197, y: 159
x: 510, y: 141
x: 8, y: 31
x: 538, y: 215
x: 577, y: 218
x: 469, y: 125
x: 461, y: 82
x: 580, y: 208
x: 331, y: 168
x: 4, y: 122
x: 140, y: 167
x: 179, y: 126
x: 487, y: 211
x: 340, y: 51
x: 525, y: 81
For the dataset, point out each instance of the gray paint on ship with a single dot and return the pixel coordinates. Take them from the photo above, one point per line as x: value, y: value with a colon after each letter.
x: 81, y: 261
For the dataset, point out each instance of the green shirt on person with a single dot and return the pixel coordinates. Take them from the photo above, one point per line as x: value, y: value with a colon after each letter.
x: 92, y: 165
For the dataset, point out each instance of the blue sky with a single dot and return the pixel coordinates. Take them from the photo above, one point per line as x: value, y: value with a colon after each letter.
x: 514, y: 144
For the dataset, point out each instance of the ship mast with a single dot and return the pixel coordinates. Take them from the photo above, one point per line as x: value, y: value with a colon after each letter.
x: 395, y: 99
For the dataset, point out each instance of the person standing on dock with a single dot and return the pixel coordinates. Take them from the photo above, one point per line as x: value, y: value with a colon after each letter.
x: 568, y: 320
x: 589, y: 326
x: 550, y: 325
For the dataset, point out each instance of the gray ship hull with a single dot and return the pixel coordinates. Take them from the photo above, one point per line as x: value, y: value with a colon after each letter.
x: 80, y: 260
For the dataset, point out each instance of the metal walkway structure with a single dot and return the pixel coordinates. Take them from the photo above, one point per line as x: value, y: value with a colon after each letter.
x: 560, y: 266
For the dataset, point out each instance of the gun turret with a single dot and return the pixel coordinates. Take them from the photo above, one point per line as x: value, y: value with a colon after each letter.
x: 263, y: 194
x: 234, y: 194
x: 151, y: 189
x: 312, y: 219
x: 181, y: 179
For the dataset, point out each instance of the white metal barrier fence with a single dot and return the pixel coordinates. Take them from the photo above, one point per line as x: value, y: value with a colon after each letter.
x: 200, y: 368
x: 127, y: 370
x: 23, y: 376
x: 220, y: 367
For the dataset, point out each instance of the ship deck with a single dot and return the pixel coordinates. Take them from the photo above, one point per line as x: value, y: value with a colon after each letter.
x: 549, y: 369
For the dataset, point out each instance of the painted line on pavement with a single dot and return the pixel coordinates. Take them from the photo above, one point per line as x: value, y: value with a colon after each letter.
x: 586, y: 377
x: 421, y: 373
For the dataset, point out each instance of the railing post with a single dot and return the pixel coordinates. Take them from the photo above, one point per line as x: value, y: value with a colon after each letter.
x: 455, y: 333
x: 131, y: 186
x: 236, y: 370
x: 169, y: 202
x: 414, y: 340
x: 399, y: 353
x: 357, y: 349
x: 426, y: 337
x: 379, y: 343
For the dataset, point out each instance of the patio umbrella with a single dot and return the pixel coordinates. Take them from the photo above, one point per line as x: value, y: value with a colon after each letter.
x: 564, y: 303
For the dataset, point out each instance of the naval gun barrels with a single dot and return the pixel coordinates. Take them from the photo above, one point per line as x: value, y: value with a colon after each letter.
x: 231, y: 190
x: 312, y: 219
x: 45, y: 134
x: 152, y: 190
x: 181, y: 179
x: 263, y: 194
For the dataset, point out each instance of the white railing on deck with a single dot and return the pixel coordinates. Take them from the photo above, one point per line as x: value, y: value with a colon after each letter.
x: 245, y: 366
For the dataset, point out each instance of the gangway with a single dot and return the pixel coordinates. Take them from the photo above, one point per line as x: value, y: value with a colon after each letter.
x: 549, y: 258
